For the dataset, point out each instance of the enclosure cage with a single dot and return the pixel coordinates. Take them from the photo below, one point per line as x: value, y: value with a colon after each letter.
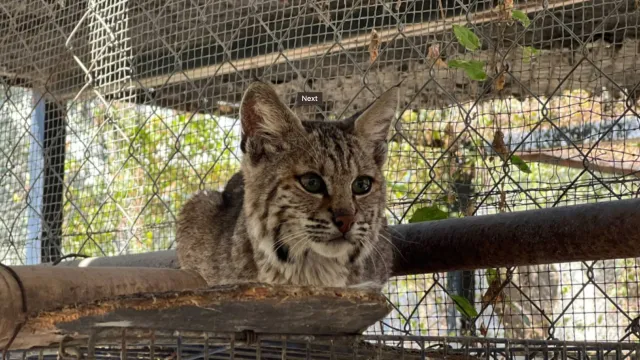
x: 113, y: 112
x: 215, y: 346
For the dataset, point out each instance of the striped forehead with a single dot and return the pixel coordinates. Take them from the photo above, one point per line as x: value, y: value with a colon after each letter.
x: 340, y: 151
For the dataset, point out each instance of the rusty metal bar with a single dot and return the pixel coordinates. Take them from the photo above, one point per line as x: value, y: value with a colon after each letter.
x: 157, y: 259
x: 571, y: 233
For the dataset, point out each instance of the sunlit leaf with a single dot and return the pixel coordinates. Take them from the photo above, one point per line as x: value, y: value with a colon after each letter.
x: 528, y: 52
x: 473, y: 68
x: 464, y: 307
x: 491, y: 274
x: 466, y: 38
x: 515, y: 160
x: 428, y: 214
x: 521, y: 17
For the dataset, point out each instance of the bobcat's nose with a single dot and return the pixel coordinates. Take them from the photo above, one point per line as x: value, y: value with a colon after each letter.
x: 344, y: 222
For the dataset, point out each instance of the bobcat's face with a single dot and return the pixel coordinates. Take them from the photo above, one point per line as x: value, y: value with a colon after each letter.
x: 313, y: 187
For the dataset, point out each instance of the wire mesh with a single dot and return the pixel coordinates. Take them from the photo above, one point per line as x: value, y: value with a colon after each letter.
x: 115, y: 111
x: 190, y: 345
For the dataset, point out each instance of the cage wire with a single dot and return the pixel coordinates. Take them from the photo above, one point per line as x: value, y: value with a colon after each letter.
x: 115, y: 111
x: 186, y: 345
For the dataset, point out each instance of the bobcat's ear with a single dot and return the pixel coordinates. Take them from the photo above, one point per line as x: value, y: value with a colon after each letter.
x: 264, y: 117
x: 373, y: 123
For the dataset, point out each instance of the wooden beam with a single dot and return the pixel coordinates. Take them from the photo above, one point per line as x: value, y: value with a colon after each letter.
x: 547, y: 157
x: 45, y: 288
x: 64, y: 301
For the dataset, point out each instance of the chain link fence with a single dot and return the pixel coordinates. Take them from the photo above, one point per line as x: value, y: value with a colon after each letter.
x: 113, y: 112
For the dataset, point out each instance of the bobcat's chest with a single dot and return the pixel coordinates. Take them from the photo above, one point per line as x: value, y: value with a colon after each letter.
x: 312, y: 270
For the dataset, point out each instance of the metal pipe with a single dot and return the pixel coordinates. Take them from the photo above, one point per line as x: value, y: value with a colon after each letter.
x: 157, y: 259
x: 564, y: 234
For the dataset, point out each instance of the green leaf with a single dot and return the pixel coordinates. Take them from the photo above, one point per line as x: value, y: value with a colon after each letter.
x: 491, y: 274
x: 526, y: 320
x: 528, y: 52
x: 464, y: 307
x: 437, y: 136
x: 410, y: 116
x: 515, y: 160
x: 473, y: 68
x: 521, y: 17
x: 429, y: 213
x: 399, y: 190
x: 399, y: 187
x: 466, y: 37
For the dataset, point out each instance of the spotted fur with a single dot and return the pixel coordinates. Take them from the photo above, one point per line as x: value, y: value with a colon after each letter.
x: 266, y: 227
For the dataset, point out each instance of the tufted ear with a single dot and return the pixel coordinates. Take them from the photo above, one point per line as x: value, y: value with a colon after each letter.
x: 373, y: 124
x: 264, y: 117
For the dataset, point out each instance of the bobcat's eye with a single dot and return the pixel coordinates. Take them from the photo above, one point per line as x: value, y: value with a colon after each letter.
x: 313, y: 183
x: 361, y: 185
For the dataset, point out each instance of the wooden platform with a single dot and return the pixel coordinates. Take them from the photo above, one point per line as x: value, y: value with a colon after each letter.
x: 228, y: 309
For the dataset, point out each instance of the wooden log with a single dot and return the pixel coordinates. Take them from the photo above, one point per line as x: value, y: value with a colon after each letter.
x: 65, y: 302
x: 258, y: 308
x: 49, y: 288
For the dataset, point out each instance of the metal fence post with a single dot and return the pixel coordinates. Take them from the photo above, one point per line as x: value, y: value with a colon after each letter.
x: 34, y: 196
x: 52, y: 197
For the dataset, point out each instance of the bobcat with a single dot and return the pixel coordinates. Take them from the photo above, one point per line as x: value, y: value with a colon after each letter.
x: 307, y: 207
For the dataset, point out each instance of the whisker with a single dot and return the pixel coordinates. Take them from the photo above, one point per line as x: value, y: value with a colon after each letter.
x: 400, y: 237
x: 294, y: 247
x: 299, y: 238
x: 289, y: 236
x: 373, y: 245
x: 392, y: 244
x: 280, y: 242
x: 298, y: 244
x: 375, y: 268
